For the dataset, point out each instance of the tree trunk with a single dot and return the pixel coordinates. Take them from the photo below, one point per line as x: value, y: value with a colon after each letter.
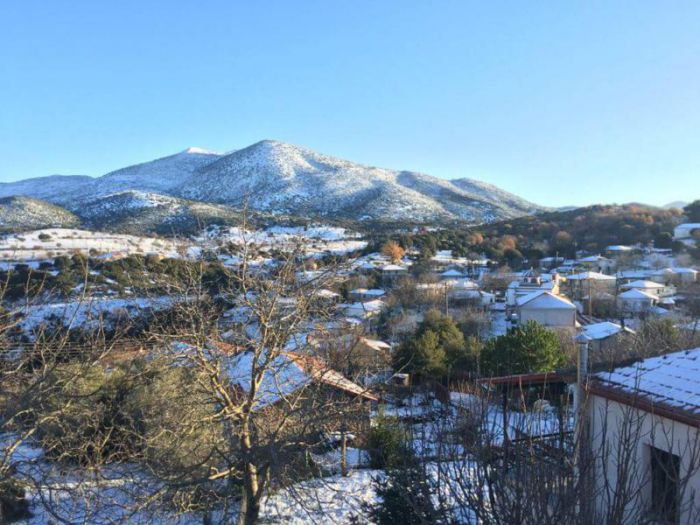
x: 250, y: 497
x: 250, y: 493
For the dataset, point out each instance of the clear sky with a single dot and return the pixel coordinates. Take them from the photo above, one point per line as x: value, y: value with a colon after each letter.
x: 563, y: 103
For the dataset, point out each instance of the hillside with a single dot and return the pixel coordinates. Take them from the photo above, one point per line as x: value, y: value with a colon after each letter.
x: 58, y: 189
x: 160, y: 175
x: 592, y: 228
x: 274, y: 177
x: 25, y: 213
x: 137, y: 212
x: 279, y: 177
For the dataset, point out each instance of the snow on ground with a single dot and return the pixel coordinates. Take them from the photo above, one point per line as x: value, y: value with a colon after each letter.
x: 85, y: 314
x: 317, y: 240
x: 323, y: 500
x: 49, y: 243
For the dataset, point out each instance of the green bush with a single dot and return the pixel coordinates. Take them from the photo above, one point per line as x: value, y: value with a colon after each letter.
x: 437, y: 345
x: 386, y: 444
x: 528, y: 348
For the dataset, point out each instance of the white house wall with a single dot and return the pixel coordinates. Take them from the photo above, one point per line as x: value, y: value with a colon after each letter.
x: 651, y: 430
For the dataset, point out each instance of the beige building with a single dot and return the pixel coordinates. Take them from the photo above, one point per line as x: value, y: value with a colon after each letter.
x: 643, y: 423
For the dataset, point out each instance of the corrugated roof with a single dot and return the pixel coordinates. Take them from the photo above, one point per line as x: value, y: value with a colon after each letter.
x: 671, y: 380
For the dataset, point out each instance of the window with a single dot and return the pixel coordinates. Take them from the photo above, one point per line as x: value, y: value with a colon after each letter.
x: 665, y: 476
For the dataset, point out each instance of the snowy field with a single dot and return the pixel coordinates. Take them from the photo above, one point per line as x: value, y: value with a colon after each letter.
x: 87, y: 314
x: 48, y: 243
x: 317, y: 240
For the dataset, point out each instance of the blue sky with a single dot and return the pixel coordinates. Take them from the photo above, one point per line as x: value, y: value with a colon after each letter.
x: 560, y: 102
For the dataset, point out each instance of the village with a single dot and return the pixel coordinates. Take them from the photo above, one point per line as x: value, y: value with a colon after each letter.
x: 444, y: 368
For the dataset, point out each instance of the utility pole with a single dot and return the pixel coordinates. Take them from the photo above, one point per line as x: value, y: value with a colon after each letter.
x: 447, y: 306
x: 343, y: 450
x: 581, y: 438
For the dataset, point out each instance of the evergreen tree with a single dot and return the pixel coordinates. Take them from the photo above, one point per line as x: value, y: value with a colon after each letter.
x: 528, y: 348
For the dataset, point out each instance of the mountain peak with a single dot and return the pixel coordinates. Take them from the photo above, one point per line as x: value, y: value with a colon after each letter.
x: 193, y: 150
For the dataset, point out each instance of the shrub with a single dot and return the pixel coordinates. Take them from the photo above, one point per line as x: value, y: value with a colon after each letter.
x: 13, y: 503
x: 528, y: 348
x: 44, y: 237
x: 386, y: 444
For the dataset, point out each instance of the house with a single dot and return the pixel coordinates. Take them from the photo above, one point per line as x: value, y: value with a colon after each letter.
x: 451, y: 274
x: 391, y: 272
x: 618, y: 249
x: 685, y: 275
x: 643, y: 428
x: 687, y: 233
x: 292, y: 379
x: 635, y: 302
x: 603, y: 333
x: 546, y: 309
x: 471, y: 297
x: 365, y: 294
x: 547, y: 263
x: 597, y: 263
x: 651, y: 287
x: 590, y: 283
x: 674, y: 275
x: 531, y: 282
x: 364, y: 310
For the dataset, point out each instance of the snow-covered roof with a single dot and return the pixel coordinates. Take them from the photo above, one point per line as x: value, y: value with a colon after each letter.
x: 545, y: 300
x: 393, y: 268
x: 287, y: 374
x: 633, y: 274
x: 593, y: 258
x: 685, y: 270
x: 375, y: 344
x: 602, y: 330
x: 325, y: 293
x: 375, y: 292
x: 593, y: 276
x: 672, y: 380
x: 637, y: 294
x: 452, y: 273
x: 642, y: 285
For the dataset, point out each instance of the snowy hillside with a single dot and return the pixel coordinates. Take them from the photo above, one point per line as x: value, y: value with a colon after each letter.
x: 46, y: 244
x: 279, y: 177
x: 272, y: 177
x: 137, y: 212
x: 58, y: 189
x: 160, y: 175
x: 25, y: 213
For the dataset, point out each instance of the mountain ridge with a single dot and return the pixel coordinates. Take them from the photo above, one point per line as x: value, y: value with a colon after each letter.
x: 281, y: 178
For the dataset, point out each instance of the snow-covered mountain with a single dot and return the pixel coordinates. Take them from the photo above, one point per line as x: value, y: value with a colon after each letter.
x: 276, y: 177
x: 160, y: 175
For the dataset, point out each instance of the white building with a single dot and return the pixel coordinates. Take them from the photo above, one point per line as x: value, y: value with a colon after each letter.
x: 674, y: 275
x: 643, y: 424
x: 602, y: 333
x: 597, y: 263
x: 547, y: 309
x: 652, y: 288
x: 529, y: 283
x: 635, y: 301
x: 366, y: 294
x: 590, y: 283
